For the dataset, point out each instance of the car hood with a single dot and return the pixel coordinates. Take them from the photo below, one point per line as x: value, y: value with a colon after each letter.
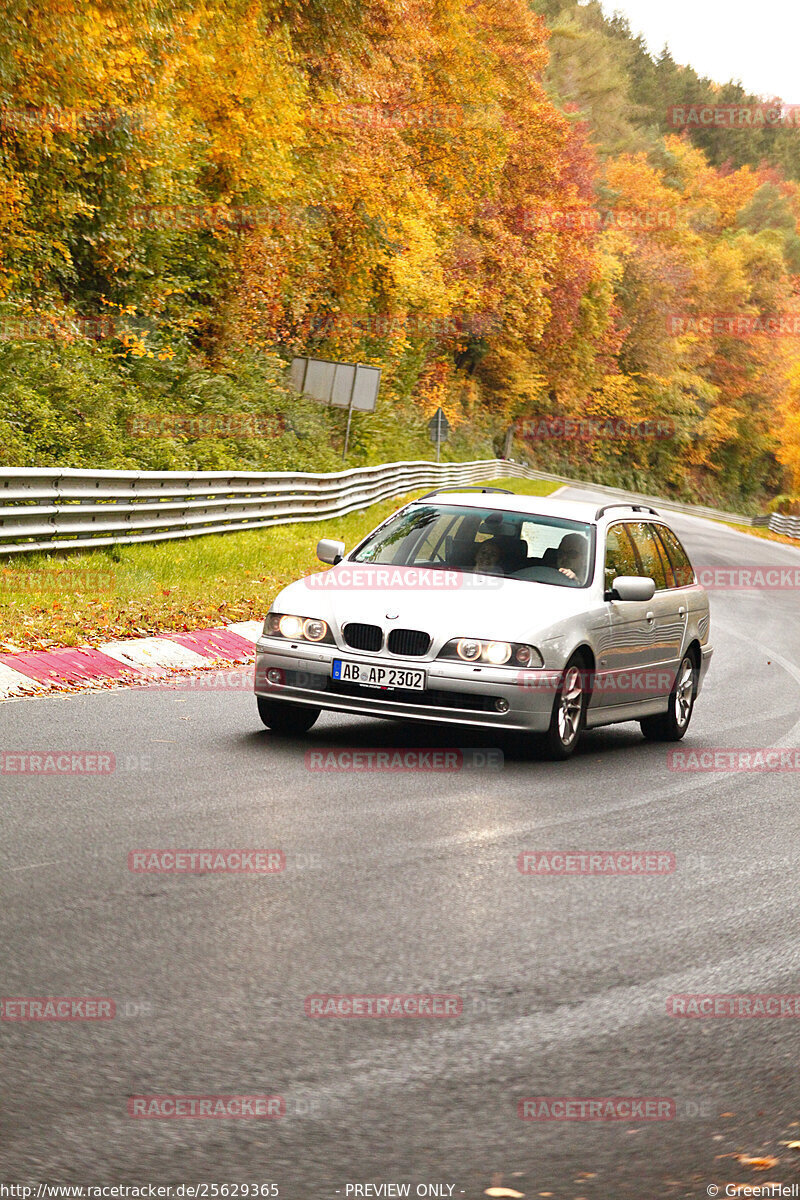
x: 444, y: 604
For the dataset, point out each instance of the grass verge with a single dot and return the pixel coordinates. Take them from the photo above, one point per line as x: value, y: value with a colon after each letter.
x: 94, y: 596
x: 760, y: 531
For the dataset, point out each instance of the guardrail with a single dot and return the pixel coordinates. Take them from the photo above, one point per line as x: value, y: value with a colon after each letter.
x: 691, y: 510
x: 52, y: 508
x: 790, y: 526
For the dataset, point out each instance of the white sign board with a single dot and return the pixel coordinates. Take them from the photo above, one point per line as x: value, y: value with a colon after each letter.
x: 337, y: 383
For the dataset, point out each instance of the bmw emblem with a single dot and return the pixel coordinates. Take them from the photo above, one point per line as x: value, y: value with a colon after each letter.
x: 392, y: 616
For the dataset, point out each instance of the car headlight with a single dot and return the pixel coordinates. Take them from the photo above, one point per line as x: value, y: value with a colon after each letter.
x: 297, y: 629
x: 494, y: 654
x: 291, y: 627
x: 468, y: 649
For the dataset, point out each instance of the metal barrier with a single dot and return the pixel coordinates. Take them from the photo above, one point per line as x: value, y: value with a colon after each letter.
x: 790, y: 526
x: 52, y: 508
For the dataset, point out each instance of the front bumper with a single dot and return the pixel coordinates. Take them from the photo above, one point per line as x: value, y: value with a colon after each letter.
x: 456, y: 694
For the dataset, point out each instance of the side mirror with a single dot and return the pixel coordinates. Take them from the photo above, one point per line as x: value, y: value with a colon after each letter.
x: 632, y: 587
x: 330, y: 551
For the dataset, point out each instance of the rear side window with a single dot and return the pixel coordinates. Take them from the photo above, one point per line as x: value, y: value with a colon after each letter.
x: 684, y: 574
x: 620, y: 556
x: 650, y: 558
x: 662, y: 554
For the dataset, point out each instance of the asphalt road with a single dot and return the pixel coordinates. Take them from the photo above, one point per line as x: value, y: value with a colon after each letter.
x: 407, y: 884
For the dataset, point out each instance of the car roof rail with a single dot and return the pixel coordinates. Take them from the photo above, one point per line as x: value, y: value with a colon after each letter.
x: 621, y: 504
x: 436, y: 491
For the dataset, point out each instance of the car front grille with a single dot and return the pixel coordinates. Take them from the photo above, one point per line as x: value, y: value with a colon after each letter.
x: 363, y: 637
x: 411, y: 642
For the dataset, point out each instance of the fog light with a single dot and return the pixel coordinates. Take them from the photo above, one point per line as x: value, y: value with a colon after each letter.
x: 502, y: 706
x: 275, y: 676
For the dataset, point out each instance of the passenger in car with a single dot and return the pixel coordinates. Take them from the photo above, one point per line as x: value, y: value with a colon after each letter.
x: 502, y: 554
x: 488, y: 557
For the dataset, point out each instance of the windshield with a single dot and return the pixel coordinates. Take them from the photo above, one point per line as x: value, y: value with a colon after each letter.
x: 524, y: 546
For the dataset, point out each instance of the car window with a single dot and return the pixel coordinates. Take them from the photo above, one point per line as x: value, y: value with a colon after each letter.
x: 684, y: 572
x: 416, y: 535
x: 620, y: 556
x: 433, y: 545
x: 541, y: 538
x: 531, y: 548
x: 651, y: 565
x: 662, y: 554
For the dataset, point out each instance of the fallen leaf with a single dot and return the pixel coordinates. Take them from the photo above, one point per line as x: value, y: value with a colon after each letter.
x: 758, y: 1164
x: 495, y: 1191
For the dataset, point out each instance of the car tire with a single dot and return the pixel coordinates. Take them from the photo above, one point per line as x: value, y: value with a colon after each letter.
x: 281, y: 717
x: 569, y: 712
x: 672, y: 725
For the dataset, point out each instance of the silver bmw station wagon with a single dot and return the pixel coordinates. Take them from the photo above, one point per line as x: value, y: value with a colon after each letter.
x: 487, y: 609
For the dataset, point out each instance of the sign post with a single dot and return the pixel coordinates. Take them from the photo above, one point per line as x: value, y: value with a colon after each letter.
x: 439, y: 430
x: 350, y: 412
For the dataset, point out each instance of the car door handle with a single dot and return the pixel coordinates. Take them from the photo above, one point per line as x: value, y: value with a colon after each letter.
x: 651, y: 616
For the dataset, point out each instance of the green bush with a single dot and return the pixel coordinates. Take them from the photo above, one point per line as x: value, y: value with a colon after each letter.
x: 80, y: 405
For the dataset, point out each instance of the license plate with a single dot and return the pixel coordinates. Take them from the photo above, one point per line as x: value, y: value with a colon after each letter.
x: 369, y: 675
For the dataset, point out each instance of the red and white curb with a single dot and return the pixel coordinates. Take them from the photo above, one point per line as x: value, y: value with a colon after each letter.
x: 32, y: 672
